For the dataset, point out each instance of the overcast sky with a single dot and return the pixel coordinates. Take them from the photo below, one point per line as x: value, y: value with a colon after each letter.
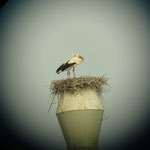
x: 38, y: 36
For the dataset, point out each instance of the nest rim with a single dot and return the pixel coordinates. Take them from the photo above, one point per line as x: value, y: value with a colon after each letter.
x: 72, y: 85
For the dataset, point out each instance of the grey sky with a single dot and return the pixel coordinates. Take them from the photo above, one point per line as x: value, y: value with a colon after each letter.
x: 38, y: 36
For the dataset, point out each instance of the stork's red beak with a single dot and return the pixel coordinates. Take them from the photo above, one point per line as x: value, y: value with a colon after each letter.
x: 81, y: 57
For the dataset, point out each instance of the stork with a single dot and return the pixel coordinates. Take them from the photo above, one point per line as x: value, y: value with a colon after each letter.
x: 72, y: 63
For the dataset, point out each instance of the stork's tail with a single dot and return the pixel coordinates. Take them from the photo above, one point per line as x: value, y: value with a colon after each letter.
x: 58, y: 71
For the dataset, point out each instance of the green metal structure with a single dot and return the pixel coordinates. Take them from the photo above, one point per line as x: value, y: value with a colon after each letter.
x: 81, y: 128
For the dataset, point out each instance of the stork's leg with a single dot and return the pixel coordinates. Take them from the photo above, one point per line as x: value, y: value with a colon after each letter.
x: 74, y: 74
x: 68, y: 74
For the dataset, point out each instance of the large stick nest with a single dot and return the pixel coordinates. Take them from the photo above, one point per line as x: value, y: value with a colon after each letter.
x: 71, y: 85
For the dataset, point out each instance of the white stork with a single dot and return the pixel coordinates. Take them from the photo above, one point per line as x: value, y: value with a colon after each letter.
x: 72, y: 63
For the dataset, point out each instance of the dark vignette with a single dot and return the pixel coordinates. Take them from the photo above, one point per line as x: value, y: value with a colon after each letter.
x: 9, y: 140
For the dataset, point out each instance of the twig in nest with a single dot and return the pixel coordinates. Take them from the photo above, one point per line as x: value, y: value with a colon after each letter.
x: 51, y: 104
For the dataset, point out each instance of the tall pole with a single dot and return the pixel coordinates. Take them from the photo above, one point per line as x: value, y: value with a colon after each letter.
x: 80, y: 116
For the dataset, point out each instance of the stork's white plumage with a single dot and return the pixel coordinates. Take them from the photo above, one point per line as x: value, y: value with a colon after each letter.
x: 72, y: 63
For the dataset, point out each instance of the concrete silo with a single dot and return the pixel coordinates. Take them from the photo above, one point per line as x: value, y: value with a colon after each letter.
x: 80, y: 111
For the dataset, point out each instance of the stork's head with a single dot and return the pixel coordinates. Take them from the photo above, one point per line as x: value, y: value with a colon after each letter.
x: 78, y: 56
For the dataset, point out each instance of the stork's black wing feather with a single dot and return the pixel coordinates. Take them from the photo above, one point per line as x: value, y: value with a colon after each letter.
x: 60, y: 68
x: 64, y: 66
